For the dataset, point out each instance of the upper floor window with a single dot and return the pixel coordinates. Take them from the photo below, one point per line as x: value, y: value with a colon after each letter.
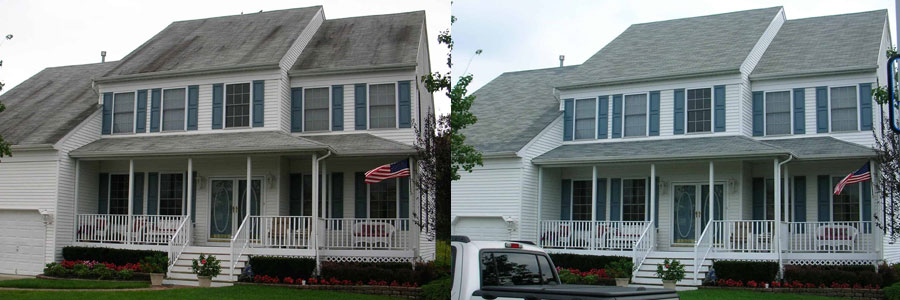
x: 778, y: 113
x: 315, y: 109
x: 383, y: 106
x: 634, y: 195
x: 174, y: 107
x: 237, y: 105
x: 171, y: 194
x: 123, y: 113
x: 585, y: 112
x: 636, y: 115
x: 843, y: 109
x: 581, y: 200
x: 699, y: 110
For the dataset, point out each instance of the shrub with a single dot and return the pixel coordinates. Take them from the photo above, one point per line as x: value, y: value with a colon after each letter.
x: 156, y: 263
x: 207, y: 266
x: 388, y: 272
x: 889, y: 274
x: 670, y: 270
x: 620, y: 268
x: 892, y: 292
x: 82, y: 271
x: 847, y: 274
x: 125, y: 274
x: 57, y: 270
x: 115, y: 256
x: 759, y: 271
x: 102, y: 272
x: 295, y: 267
x: 584, y: 262
x: 438, y: 289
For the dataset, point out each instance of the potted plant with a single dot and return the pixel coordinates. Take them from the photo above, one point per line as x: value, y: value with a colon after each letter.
x: 206, y: 267
x: 621, y: 271
x: 157, y: 265
x: 670, y: 272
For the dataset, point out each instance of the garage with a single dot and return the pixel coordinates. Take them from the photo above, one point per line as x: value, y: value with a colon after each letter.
x: 21, y: 242
x: 481, y: 228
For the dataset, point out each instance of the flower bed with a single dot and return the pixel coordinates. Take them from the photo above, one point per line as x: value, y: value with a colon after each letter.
x: 390, y: 291
x: 848, y: 293
x: 796, y: 284
x: 592, y: 276
x: 92, y: 270
x: 327, y: 281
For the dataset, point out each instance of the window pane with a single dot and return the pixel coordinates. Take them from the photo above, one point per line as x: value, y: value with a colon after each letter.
x: 383, y: 199
x: 770, y: 199
x: 581, y: 200
x: 173, y: 109
x: 778, y: 113
x: 547, y: 276
x: 171, y: 193
x: 382, y: 106
x: 237, y: 105
x: 846, y: 205
x: 316, y: 109
x: 843, y: 109
x: 633, y: 199
x: 699, y: 110
x: 118, y: 194
x: 123, y: 113
x: 585, y: 112
x: 636, y: 115
x: 509, y: 269
x: 307, y: 195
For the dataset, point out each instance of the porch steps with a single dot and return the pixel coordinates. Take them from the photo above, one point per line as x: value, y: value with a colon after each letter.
x: 646, y: 274
x: 181, y: 273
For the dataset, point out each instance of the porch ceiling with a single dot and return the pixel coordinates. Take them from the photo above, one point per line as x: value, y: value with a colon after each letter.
x: 362, y: 144
x: 197, y: 144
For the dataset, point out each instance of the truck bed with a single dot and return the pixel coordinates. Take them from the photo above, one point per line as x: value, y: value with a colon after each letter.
x: 572, y: 292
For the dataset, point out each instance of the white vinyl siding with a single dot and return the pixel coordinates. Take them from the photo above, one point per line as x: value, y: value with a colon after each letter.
x: 316, y: 109
x: 174, y: 109
x: 778, y: 112
x: 123, y: 113
x: 585, y: 115
x: 699, y: 110
x: 844, y: 114
x: 383, y: 106
x: 635, y: 115
x: 237, y: 105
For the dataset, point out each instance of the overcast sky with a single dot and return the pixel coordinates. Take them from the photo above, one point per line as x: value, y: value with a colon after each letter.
x: 58, y: 33
x: 520, y: 36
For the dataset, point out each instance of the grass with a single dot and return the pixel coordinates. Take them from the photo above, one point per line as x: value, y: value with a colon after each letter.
x: 702, y: 294
x: 34, y: 283
x: 223, y: 293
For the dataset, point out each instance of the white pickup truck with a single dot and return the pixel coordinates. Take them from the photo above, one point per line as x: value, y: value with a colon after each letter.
x: 519, y: 270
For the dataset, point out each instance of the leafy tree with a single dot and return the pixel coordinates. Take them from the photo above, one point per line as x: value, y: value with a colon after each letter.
x: 4, y: 145
x: 433, y: 177
x: 887, y: 149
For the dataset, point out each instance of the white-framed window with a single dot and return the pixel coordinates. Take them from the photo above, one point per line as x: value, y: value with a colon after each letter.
x: 123, y: 112
x: 171, y: 194
x: 118, y: 194
x: 237, y: 105
x: 316, y: 107
x: 777, y: 112
x: 843, y: 105
x: 635, y: 115
x: 384, y: 201
x: 581, y: 200
x: 634, y: 199
x: 174, y: 108
x: 585, y: 118
x: 846, y: 207
x: 383, y: 105
x: 769, y: 208
x: 699, y: 110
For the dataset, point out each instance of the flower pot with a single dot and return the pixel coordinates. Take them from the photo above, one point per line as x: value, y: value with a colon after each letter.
x: 669, y: 284
x: 623, y: 282
x: 204, y: 280
x: 156, y: 279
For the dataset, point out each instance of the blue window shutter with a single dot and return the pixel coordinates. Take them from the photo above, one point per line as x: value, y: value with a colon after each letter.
x: 759, y: 198
x: 758, y: 122
x: 568, y: 115
x: 103, y: 196
x: 615, y: 198
x: 603, y: 117
x: 403, y: 105
x: 107, y: 113
x: 155, y: 97
x: 138, y: 203
x: 654, y: 113
x: 719, y: 97
x: 799, y: 111
x: 360, y: 185
x: 337, y: 108
x: 295, y: 194
x: 821, y: 109
x: 337, y: 195
x: 194, y: 202
x: 566, y: 203
x: 799, y: 199
x: 601, y: 200
x: 679, y: 111
x: 217, y: 106
x: 259, y: 90
x: 823, y: 194
x: 140, y: 119
x: 296, y: 109
x: 866, y: 205
x: 617, y: 117
x: 656, y: 196
x: 360, y: 112
x: 404, y: 201
x: 153, y: 192
x: 193, y: 106
x: 865, y: 106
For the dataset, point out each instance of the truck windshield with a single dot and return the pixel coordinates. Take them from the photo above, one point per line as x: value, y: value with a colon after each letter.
x: 515, y: 268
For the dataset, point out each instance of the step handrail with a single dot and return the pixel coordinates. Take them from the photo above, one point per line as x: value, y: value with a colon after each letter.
x: 643, y: 246
x: 242, y: 236
x: 701, y: 251
x: 179, y: 241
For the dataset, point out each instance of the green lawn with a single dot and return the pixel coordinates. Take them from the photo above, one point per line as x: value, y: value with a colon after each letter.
x: 35, y: 283
x: 223, y: 293
x: 744, y: 295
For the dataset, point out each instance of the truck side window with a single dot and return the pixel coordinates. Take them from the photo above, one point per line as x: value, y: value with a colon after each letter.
x: 509, y: 269
x: 547, y: 276
x: 452, y: 264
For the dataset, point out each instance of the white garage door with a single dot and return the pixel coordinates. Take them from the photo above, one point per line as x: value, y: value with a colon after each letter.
x: 21, y: 242
x: 481, y: 229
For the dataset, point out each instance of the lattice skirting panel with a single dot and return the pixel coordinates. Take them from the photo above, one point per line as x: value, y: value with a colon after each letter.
x: 828, y: 262
x: 366, y: 259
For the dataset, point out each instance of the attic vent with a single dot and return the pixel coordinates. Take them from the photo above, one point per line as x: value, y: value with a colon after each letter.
x: 561, y: 59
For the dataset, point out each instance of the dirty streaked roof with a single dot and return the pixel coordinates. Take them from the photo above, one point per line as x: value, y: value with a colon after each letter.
x: 44, y: 108
x: 222, y: 42
x: 360, y: 42
x: 196, y: 144
x: 667, y: 149
x: 361, y: 144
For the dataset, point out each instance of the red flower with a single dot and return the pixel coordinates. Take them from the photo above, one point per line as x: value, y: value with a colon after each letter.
x: 857, y: 286
x: 776, y: 284
x: 203, y: 262
x: 359, y: 282
x: 312, y: 281
x: 289, y: 280
x: 810, y: 285
x: 751, y: 283
x: 394, y: 283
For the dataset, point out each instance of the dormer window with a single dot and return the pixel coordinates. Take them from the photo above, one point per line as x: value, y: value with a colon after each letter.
x: 383, y: 105
x: 123, y: 113
x: 636, y: 115
x: 174, y: 106
x: 699, y: 110
x: 585, y: 113
x: 315, y: 110
x: 237, y: 105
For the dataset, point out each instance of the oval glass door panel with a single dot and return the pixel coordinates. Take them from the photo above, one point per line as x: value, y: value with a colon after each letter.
x: 684, y: 213
x: 220, y: 222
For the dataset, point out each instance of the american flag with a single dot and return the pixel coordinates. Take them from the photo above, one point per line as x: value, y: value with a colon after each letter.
x: 394, y: 170
x: 860, y: 175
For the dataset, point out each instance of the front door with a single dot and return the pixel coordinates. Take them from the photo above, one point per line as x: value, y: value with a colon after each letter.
x: 228, y: 208
x: 691, y: 211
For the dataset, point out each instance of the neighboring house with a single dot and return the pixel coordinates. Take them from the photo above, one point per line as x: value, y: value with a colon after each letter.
x: 158, y: 150
x: 616, y: 156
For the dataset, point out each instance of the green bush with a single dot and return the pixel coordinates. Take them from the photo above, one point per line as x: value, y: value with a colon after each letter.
x: 400, y: 272
x: 125, y: 274
x: 281, y: 267
x: 82, y: 271
x: 850, y: 274
x: 889, y: 274
x: 115, y: 256
x: 759, y: 271
x: 156, y: 263
x: 584, y: 262
x: 892, y: 292
x: 621, y: 268
x: 100, y: 271
x: 438, y: 289
x: 57, y: 270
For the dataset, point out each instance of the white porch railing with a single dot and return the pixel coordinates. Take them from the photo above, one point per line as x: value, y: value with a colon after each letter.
x: 180, y: 240
x: 592, y: 235
x: 239, y: 243
x: 830, y: 237
x: 703, y: 246
x: 751, y: 236
x: 368, y: 234
x: 643, y: 246
x: 280, y: 231
x: 125, y: 229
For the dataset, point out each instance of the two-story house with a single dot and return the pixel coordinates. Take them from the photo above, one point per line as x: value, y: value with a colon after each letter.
x: 159, y: 150
x: 619, y: 155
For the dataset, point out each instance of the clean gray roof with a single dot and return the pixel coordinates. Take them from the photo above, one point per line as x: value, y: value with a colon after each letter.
x: 362, y: 144
x: 513, y: 108
x: 822, y: 147
x: 251, y: 39
x: 689, y: 46
x: 364, y: 42
x: 668, y: 149
x: 195, y: 144
x: 44, y: 108
x: 824, y: 44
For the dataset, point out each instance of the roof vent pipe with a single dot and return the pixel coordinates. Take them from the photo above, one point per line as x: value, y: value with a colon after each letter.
x: 103, y: 56
x: 561, y: 59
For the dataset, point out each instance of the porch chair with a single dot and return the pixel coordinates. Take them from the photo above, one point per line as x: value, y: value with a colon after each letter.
x: 161, y: 231
x: 285, y: 233
x: 625, y: 236
x: 372, y: 234
x: 836, y: 237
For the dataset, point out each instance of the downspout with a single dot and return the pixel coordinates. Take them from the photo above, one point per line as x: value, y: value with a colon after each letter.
x: 778, y: 222
x: 316, y: 218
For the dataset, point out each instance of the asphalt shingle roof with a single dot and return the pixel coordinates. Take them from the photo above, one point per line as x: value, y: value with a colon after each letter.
x: 361, y: 144
x: 44, y: 108
x: 822, y: 147
x: 668, y: 149
x: 184, y: 144
x: 823, y: 44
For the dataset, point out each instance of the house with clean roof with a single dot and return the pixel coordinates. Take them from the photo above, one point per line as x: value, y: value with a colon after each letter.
x: 619, y: 155
x: 236, y: 135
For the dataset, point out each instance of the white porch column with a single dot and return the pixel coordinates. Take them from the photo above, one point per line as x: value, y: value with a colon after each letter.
x: 314, y: 240
x: 249, y: 189
x: 540, y: 198
x: 787, y: 195
x: 712, y: 194
x: 652, y: 192
x: 190, y: 187
x: 75, y: 211
x: 324, y: 190
x: 776, y: 235
x: 130, y: 198
x: 594, y: 194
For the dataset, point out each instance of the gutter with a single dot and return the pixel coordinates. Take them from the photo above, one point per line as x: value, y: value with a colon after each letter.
x: 809, y: 73
x: 33, y: 147
x: 124, y: 154
x: 651, y: 78
x: 355, y: 69
x: 504, y: 154
x: 581, y: 161
x: 206, y: 71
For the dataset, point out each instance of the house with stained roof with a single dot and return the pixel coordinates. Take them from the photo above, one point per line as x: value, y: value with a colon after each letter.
x: 619, y: 155
x: 159, y: 150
